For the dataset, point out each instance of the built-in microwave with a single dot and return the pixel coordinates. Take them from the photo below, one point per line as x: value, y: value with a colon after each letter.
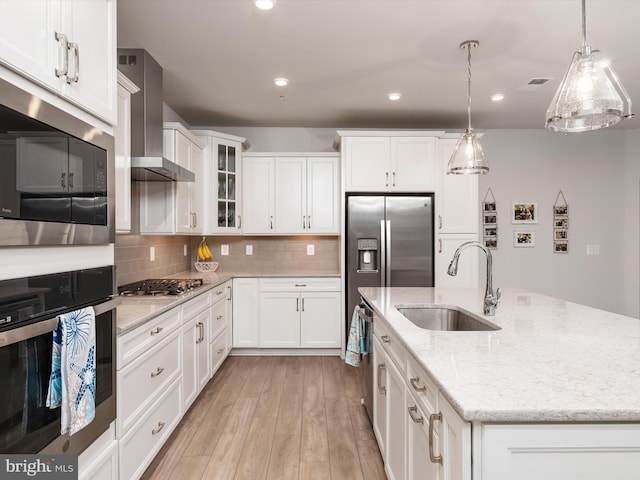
x: 55, y: 174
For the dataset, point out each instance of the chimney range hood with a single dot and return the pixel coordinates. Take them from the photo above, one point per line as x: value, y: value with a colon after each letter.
x: 147, y: 161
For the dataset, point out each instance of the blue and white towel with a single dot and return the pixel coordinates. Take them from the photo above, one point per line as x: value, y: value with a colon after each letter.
x: 72, y: 385
x: 358, y: 343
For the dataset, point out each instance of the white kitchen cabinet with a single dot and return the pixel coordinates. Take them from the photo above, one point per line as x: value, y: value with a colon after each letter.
x: 319, y: 325
x: 419, y: 465
x: 279, y: 319
x: 396, y: 423
x: 289, y: 194
x: 195, y: 354
x: 446, y: 246
x: 245, y: 312
x: 375, y: 162
x: 66, y: 46
x: 560, y: 451
x: 455, y: 443
x: 223, y: 186
x: 380, y: 395
x: 122, y: 139
x: 219, y: 343
x: 100, y: 460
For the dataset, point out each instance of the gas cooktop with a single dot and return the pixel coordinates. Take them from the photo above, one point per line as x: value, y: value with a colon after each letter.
x: 159, y: 287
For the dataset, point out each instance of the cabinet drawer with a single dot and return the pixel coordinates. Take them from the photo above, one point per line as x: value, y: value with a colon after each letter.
x: 221, y: 292
x: 218, y: 319
x: 390, y: 343
x: 218, y: 351
x: 141, y: 381
x: 194, y: 306
x: 133, y: 344
x: 299, y: 284
x: 141, y: 444
x: 422, y: 387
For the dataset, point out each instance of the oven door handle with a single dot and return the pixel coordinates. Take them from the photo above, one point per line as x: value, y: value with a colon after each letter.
x: 45, y: 326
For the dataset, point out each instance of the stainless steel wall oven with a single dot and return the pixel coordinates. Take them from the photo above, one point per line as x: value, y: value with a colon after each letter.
x: 28, y: 310
x: 55, y: 187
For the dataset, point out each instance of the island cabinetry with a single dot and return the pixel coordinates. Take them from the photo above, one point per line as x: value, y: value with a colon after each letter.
x: 65, y: 46
x: 196, y: 325
x: 100, y: 460
x: 374, y: 162
x: 219, y: 339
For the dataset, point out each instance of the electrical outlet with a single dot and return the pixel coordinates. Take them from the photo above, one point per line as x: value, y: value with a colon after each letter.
x: 152, y: 254
x: 224, y: 249
x: 311, y: 249
x: 248, y: 249
x: 593, y: 249
x: 184, y: 250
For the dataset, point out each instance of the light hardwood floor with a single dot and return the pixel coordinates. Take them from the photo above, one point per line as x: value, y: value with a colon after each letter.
x: 274, y: 418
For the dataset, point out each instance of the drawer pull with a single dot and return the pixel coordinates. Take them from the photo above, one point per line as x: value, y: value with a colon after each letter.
x: 433, y: 418
x: 155, y: 431
x: 382, y: 390
x: 386, y: 338
x: 158, y: 371
x: 412, y: 411
x: 219, y: 292
x: 220, y: 351
x: 415, y: 384
x: 300, y: 284
x: 156, y: 331
x: 219, y: 317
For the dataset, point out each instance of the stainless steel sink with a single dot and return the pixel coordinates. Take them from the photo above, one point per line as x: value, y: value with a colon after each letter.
x: 444, y: 318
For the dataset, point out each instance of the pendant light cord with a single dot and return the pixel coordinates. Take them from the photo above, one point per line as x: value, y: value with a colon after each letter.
x: 584, y: 24
x: 469, y: 83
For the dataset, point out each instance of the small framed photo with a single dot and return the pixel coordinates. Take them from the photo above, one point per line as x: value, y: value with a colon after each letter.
x: 561, y: 247
x: 490, y: 219
x: 560, y: 222
x: 524, y: 212
x: 561, y: 210
x: 489, y: 206
x: 491, y: 242
x: 490, y: 230
x: 523, y: 239
x: 560, y: 234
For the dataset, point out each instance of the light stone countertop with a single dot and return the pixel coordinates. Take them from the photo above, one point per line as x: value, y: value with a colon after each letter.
x: 134, y: 311
x: 551, y: 361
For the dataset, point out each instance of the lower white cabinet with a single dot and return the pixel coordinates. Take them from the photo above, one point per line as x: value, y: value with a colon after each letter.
x: 219, y: 339
x: 419, y: 440
x: 100, y: 460
x: 380, y: 396
x: 195, y: 356
x: 245, y: 312
x: 454, y: 443
x: 396, y: 424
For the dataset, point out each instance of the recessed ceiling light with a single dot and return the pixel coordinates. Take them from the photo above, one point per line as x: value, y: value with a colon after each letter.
x: 498, y: 97
x: 394, y: 96
x: 265, y: 4
x: 281, y: 81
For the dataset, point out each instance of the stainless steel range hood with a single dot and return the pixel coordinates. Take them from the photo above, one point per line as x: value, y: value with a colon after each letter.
x: 147, y: 161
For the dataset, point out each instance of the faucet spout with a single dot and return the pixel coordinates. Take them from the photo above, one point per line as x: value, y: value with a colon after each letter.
x: 491, y: 298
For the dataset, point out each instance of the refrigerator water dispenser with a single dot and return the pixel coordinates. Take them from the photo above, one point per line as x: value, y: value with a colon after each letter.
x: 367, y: 255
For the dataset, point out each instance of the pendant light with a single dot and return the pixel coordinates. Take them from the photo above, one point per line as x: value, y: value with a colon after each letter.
x: 590, y: 95
x: 468, y: 157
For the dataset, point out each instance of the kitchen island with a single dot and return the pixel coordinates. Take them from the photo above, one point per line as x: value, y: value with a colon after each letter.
x: 555, y: 391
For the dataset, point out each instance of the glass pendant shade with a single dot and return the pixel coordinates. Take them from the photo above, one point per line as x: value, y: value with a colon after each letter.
x: 468, y: 157
x: 590, y: 96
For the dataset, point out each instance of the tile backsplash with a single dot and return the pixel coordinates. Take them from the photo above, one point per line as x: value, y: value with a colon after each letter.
x: 277, y: 255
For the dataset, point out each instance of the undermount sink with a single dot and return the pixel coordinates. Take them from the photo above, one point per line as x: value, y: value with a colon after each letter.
x: 444, y: 318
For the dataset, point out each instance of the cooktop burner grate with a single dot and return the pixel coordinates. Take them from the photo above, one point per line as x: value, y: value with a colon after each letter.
x: 159, y: 287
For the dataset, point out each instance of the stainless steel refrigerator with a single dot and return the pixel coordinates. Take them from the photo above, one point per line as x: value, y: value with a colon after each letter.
x: 389, y: 243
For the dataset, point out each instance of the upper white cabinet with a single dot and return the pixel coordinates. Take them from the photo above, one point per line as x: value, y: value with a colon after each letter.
x: 375, y: 162
x: 66, y: 46
x: 122, y: 138
x: 222, y: 190
x: 291, y: 194
x: 175, y: 207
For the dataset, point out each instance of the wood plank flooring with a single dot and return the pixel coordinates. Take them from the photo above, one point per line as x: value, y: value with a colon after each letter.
x: 274, y: 418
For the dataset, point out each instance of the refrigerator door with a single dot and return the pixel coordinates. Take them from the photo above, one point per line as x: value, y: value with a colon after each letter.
x: 363, y: 248
x: 409, y: 242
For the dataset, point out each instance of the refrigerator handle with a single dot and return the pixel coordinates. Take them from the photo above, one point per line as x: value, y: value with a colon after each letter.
x: 388, y: 252
x: 383, y: 255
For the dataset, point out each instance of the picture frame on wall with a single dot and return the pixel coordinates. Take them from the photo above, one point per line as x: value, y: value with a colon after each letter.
x: 560, y: 224
x: 524, y: 212
x: 524, y: 239
x: 561, y: 247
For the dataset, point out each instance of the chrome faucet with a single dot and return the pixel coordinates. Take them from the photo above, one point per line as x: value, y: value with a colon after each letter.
x: 491, y: 299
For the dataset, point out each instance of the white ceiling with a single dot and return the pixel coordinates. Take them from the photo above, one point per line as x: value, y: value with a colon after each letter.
x: 343, y: 56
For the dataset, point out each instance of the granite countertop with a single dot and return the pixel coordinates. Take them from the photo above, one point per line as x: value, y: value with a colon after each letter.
x: 551, y: 361
x: 135, y: 311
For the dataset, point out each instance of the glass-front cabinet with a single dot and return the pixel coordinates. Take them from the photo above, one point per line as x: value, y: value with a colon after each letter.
x: 222, y: 169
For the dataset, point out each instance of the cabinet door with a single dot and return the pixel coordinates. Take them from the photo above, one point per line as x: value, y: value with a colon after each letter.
x: 457, y: 204
x: 92, y: 27
x: 290, y: 195
x: 320, y: 320
x: 182, y: 156
x: 367, y: 164
x: 396, y: 423
x: 413, y: 164
x: 419, y: 465
x: 122, y: 138
x: 245, y: 312
x: 467, y: 276
x: 226, y: 186
x: 280, y: 319
x: 455, y: 443
x: 380, y: 386
x: 190, y: 335
x: 258, y: 194
x: 157, y: 207
x: 323, y: 195
x: 196, y: 199
x: 28, y: 43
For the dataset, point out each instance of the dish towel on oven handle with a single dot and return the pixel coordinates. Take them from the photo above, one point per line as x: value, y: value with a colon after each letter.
x: 358, y: 343
x: 72, y: 385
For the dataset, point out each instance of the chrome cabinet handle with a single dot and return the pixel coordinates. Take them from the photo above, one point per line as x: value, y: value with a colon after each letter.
x: 200, y: 338
x: 298, y: 304
x: 439, y: 221
x: 63, y: 177
x: 271, y: 222
x: 382, y: 390
x: 300, y: 284
x: 303, y: 304
x: 220, y: 351
x: 412, y: 411
x: 62, y: 39
x: 230, y: 293
x: 158, y: 371
x: 219, y: 317
x: 440, y: 245
x: 304, y: 222
x: 156, y: 331
x: 385, y: 339
x: 433, y: 418
x: 239, y: 221
x: 394, y: 179
x: 309, y: 222
x: 72, y: 46
x: 386, y: 182
x: 219, y: 292
x: 155, y: 431
x: 414, y: 383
